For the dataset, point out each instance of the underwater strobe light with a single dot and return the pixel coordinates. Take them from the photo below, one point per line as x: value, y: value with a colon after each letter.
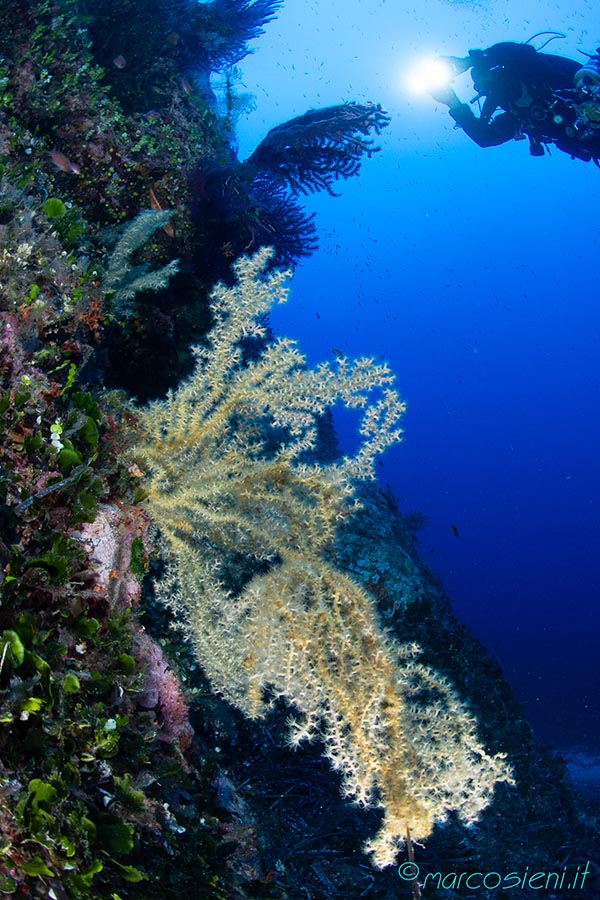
x: 430, y: 75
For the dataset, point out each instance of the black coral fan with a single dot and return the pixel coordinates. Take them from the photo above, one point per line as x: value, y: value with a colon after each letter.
x: 281, y: 222
x: 313, y: 150
x: 254, y: 203
x: 225, y: 27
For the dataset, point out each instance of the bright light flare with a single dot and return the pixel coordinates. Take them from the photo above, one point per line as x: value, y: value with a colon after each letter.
x: 430, y: 75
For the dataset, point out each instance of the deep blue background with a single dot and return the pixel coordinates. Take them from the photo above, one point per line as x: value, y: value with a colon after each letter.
x: 475, y: 274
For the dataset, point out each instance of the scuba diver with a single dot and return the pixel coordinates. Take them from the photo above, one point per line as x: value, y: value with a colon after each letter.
x: 552, y: 100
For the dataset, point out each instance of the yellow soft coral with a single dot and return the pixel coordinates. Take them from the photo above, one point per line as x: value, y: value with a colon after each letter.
x: 227, y: 481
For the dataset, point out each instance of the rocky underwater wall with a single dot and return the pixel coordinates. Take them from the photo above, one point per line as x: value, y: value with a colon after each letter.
x: 291, y: 577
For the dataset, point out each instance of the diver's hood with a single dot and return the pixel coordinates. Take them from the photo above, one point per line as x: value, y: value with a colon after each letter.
x: 502, y: 54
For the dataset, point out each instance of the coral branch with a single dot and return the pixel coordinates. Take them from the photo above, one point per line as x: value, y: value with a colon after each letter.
x: 310, y: 152
x: 228, y: 484
x: 125, y: 279
x: 225, y: 27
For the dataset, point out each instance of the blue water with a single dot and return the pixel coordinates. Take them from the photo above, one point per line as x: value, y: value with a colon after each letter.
x: 475, y: 274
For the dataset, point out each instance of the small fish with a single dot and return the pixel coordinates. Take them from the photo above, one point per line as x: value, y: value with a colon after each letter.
x: 155, y: 203
x: 186, y: 86
x: 337, y: 353
x: 64, y: 163
x: 455, y: 531
x: 119, y: 61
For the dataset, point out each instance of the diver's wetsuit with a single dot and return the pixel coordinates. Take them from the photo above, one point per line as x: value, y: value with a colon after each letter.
x: 533, y: 91
x: 486, y: 133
